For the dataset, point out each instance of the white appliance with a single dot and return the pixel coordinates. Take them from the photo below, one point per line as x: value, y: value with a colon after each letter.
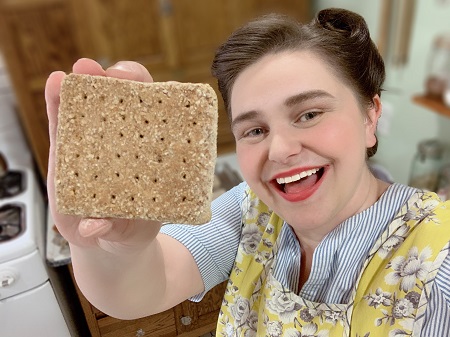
x: 28, y: 305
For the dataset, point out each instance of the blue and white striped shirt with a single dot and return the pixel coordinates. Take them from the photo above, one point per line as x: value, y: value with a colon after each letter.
x: 337, y: 260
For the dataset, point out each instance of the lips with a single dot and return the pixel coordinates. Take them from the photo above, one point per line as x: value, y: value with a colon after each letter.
x: 298, y: 186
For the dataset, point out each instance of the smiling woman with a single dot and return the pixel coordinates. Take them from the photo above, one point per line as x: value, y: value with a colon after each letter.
x: 311, y: 240
x: 308, y: 123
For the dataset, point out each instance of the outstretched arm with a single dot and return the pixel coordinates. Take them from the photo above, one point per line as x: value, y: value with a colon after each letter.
x: 124, y: 267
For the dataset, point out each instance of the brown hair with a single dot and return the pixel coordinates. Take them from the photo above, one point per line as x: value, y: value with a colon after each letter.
x: 339, y: 37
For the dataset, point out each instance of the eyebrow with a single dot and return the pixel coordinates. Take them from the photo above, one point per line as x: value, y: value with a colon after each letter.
x: 290, y: 101
x: 306, y: 96
x: 243, y: 117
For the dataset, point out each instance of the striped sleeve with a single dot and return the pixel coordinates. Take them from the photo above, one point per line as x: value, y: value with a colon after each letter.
x: 437, y: 314
x: 213, y: 245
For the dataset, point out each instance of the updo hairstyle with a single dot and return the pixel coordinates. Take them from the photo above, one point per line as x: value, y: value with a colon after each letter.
x: 339, y: 37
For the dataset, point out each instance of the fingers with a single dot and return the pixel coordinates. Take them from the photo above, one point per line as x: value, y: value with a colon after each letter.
x: 88, y: 66
x: 118, y: 229
x: 52, y: 88
x: 94, y: 227
x: 130, y: 71
x: 119, y: 236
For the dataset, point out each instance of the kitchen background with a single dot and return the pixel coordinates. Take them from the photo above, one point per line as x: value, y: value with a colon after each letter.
x: 404, y: 123
x: 39, y: 36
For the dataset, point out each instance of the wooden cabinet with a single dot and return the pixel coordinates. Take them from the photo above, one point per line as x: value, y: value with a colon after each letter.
x: 187, y: 319
x: 36, y: 37
x: 162, y: 324
x: 174, y: 39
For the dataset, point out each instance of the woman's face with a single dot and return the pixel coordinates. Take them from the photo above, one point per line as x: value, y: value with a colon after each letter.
x: 301, y: 140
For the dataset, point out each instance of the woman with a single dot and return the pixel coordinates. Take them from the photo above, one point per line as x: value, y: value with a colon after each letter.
x: 312, y: 243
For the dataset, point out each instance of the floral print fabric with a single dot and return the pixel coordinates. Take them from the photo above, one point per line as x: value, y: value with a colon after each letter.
x: 390, y: 296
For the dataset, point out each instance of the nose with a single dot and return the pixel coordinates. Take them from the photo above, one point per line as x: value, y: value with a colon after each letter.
x: 284, y: 145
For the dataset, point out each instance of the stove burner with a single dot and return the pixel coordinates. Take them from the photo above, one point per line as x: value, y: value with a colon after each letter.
x: 11, y: 184
x: 11, y: 224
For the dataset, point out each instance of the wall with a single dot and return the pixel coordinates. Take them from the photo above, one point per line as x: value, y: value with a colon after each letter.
x: 404, y: 123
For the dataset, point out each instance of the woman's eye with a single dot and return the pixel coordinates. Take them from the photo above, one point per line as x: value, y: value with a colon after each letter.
x: 254, y: 132
x: 309, y: 116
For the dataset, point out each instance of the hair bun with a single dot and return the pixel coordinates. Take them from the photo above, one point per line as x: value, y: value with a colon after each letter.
x: 343, y: 22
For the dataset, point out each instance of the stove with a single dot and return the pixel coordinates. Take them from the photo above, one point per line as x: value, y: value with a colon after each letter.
x: 21, y: 212
x: 28, y: 303
x: 12, y: 215
x: 25, y: 287
x: 12, y: 221
x: 12, y: 184
x: 36, y: 299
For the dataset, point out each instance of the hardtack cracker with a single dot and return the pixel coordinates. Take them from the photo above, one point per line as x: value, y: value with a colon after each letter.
x: 128, y: 149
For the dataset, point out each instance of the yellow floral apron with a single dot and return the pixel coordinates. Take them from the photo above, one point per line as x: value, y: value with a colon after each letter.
x: 390, y: 296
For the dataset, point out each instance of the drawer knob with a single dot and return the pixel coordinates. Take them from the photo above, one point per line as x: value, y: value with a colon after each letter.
x: 186, y: 320
x: 7, y: 278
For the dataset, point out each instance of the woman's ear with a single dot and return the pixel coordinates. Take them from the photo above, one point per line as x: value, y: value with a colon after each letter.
x: 371, y: 120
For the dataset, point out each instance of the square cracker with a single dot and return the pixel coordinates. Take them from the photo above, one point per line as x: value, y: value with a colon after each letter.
x: 128, y: 149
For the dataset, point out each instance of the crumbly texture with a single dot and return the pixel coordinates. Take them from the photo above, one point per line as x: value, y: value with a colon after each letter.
x: 128, y: 149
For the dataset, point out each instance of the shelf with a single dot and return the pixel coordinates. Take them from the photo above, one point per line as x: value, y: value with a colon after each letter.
x: 432, y: 104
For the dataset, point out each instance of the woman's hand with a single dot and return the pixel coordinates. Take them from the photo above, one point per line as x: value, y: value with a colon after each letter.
x: 118, y: 236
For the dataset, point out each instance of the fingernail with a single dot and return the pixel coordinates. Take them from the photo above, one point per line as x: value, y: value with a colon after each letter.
x: 121, y: 65
x: 94, y: 227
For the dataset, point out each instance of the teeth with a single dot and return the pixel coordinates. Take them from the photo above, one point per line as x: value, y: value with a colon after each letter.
x: 296, y: 177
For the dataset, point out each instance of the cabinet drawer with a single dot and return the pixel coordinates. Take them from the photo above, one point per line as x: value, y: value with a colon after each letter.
x: 195, y: 319
x: 162, y: 324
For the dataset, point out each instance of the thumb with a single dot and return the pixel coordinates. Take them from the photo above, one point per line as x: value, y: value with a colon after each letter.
x: 90, y: 227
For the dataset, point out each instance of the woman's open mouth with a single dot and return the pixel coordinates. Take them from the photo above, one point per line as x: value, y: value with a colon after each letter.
x: 300, y: 186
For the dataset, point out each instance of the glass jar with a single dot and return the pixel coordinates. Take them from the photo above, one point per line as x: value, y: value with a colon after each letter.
x: 426, y: 165
x: 437, y: 80
x: 444, y: 183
